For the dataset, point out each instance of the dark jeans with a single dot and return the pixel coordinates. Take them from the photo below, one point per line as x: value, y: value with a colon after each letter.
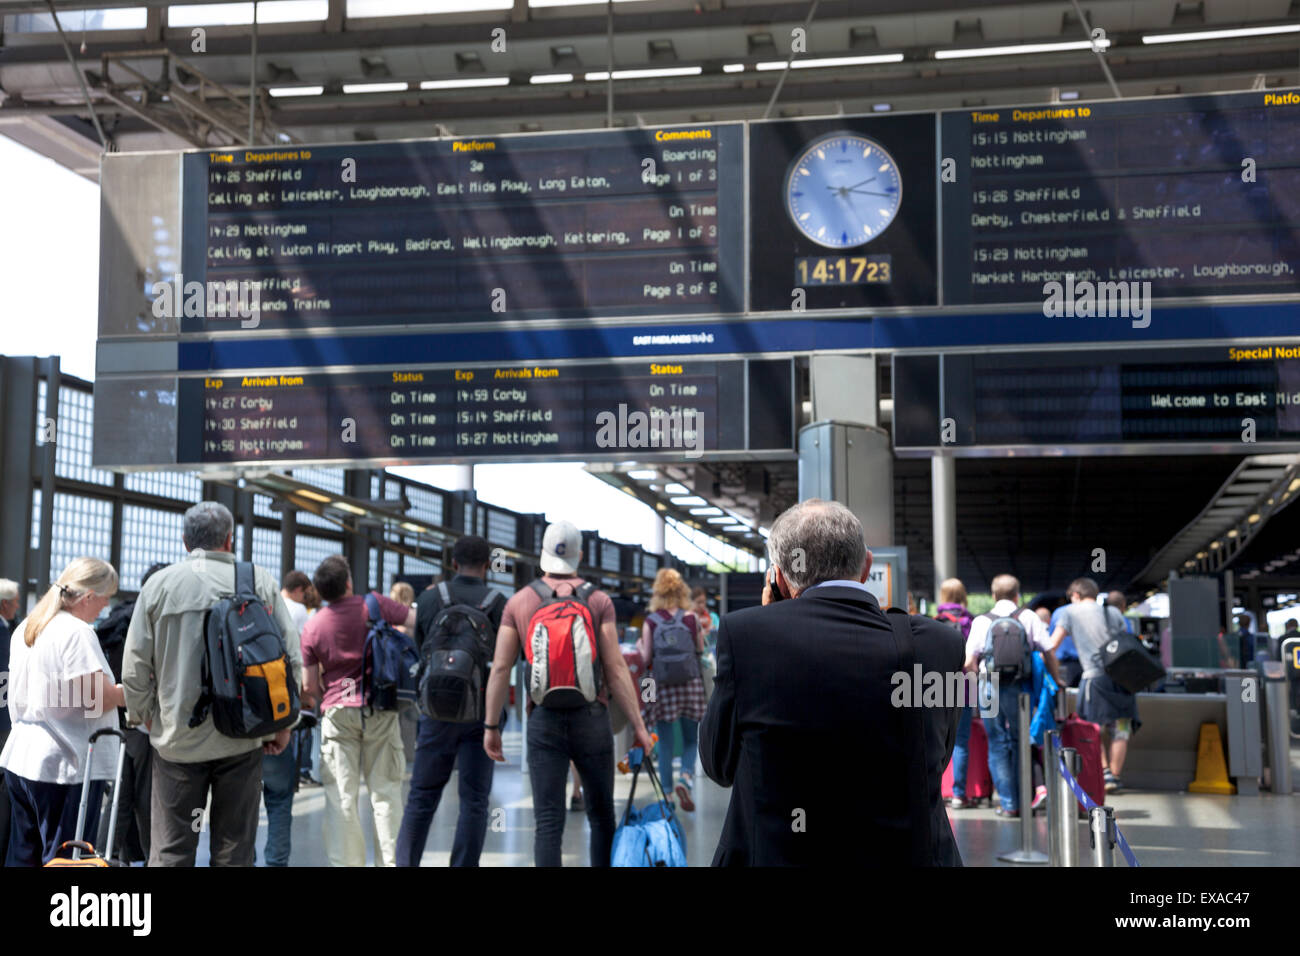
x: 4, y: 798
x: 44, y: 815
x: 279, y: 781
x: 440, y: 747
x: 180, y: 793
x: 584, y: 736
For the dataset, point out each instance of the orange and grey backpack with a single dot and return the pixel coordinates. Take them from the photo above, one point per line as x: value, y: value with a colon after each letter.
x: 248, y: 684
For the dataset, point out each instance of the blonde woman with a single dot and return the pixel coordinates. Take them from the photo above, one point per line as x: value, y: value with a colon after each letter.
x: 61, y: 690
x: 672, y: 630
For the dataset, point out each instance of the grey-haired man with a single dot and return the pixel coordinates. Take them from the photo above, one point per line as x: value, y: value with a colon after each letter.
x: 162, y: 677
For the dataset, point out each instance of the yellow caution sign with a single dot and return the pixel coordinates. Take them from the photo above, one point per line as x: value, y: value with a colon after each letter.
x: 1211, y: 766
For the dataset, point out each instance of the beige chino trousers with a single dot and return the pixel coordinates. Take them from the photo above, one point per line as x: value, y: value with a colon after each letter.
x: 349, y: 751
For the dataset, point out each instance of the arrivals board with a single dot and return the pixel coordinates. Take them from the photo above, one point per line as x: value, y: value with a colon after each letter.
x: 1238, y: 397
x: 643, y: 410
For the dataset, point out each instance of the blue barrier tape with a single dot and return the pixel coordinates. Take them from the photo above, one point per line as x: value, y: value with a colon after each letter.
x: 1088, y: 804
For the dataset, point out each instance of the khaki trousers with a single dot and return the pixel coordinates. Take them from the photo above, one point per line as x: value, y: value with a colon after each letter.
x: 351, y: 748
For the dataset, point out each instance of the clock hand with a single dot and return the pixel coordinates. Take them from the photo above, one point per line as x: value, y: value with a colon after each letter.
x: 856, y: 185
x: 866, y: 192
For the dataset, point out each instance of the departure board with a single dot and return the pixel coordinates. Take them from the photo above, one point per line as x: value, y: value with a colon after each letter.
x: 636, y: 222
x: 1198, y: 196
x: 641, y: 409
x: 1242, y: 396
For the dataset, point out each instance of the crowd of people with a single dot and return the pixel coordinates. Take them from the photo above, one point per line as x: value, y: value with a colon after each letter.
x: 765, y: 700
x: 182, y: 776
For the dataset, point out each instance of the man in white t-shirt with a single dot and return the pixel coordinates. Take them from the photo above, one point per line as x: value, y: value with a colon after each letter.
x: 1003, y: 729
x: 292, y: 589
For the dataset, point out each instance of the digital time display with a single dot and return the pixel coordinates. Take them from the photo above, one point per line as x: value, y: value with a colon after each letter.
x: 842, y: 270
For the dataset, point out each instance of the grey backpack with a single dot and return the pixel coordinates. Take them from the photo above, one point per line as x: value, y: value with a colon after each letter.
x: 674, y: 659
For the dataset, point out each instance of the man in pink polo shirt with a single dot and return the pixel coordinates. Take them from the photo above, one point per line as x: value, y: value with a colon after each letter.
x: 352, y: 745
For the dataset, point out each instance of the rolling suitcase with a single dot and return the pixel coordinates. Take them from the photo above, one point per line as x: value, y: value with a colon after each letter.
x: 979, y: 782
x: 1085, y: 737
x: 78, y: 845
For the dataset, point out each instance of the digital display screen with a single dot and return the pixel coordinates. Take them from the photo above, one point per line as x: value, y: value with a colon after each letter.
x: 1197, y: 196
x: 638, y: 222
x: 1242, y: 394
x: 641, y: 409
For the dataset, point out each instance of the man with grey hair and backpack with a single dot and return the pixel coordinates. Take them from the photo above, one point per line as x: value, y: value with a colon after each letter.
x: 806, y: 712
x: 165, y: 668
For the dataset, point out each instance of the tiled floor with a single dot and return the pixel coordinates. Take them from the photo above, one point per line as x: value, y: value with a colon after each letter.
x: 1164, y: 829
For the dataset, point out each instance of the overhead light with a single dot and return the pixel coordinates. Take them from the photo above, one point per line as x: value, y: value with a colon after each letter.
x: 349, y: 508
x: 1214, y: 545
x: 831, y: 61
x: 644, y: 474
x: 465, y: 84
x: 706, y: 511
x: 725, y: 519
x: 733, y: 68
x: 1200, y: 554
x: 1233, y: 533
x: 1253, y: 518
x: 296, y: 90
x: 1295, y: 483
x: 602, y: 75
x: 1057, y: 47
x: 313, y: 495
x: 689, y: 500
x: 1069, y: 94
x: 418, y: 529
x: 375, y: 87
x: 676, y: 489
x: 736, y: 527
x: 1220, y: 34
x: 551, y: 78
x: 880, y: 107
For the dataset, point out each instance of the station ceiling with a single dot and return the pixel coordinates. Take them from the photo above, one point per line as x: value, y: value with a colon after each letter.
x: 145, y: 83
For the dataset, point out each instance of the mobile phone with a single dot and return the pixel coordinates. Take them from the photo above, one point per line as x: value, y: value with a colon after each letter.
x: 771, y: 580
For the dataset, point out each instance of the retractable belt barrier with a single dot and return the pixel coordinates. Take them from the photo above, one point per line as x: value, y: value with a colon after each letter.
x: 1087, y: 801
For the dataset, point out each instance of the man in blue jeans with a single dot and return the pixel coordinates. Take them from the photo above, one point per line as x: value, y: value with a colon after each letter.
x: 581, y: 734
x: 440, y: 746
x: 279, y: 782
x: 1002, y: 725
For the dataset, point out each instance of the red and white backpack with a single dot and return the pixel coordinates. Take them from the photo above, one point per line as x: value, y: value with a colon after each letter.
x: 561, y: 649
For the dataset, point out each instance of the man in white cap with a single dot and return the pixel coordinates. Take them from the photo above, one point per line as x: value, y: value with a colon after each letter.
x: 568, y: 718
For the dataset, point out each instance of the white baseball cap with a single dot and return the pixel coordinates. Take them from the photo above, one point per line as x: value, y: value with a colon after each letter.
x: 561, y: 549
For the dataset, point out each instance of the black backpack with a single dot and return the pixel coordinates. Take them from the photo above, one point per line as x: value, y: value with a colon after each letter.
x: 389, y: 663
x: 455, y: 658
x: 1007, y: 651
x: 248, y: 684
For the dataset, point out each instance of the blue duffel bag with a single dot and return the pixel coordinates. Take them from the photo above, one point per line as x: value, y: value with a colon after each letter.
x: 652, y: 836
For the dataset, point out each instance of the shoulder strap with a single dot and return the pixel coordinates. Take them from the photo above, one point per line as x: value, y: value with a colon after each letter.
x: 677, y: 615
x: 490, y: 601
x: 545, y: 591
x: 584, y: 591
x: 245, y: 580
x: 444, y: 592
x: 914, y: 727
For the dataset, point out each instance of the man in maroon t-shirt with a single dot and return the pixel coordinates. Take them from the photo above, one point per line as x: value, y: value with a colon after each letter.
x: 333, y: 644
x: 555, y: 737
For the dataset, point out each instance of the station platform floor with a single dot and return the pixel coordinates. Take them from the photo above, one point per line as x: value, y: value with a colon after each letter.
x: 1163, y: 828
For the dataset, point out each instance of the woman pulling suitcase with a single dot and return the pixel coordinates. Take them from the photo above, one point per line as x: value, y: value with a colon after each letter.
x: 61, y: 691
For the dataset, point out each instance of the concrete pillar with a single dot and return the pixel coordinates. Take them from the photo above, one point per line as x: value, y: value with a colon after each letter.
x: 660, y: 529
x: 943, y: 492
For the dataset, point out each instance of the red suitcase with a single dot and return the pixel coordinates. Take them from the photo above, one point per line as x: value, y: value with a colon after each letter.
x: 979, y: 784
x: 1085, y: 737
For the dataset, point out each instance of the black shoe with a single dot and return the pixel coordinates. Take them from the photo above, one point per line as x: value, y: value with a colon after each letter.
x: 307, y: 780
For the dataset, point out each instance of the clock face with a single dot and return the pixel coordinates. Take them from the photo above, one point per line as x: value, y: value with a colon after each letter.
x: 843, y: 190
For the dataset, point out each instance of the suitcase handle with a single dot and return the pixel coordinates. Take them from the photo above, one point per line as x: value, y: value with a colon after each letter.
x: 110, y: 731
x: 75, y: 845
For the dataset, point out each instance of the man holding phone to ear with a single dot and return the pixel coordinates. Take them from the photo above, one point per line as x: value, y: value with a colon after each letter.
x: 804, y: 711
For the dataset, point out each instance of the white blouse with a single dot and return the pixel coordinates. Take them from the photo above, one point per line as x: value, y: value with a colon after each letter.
x: 51, y: 714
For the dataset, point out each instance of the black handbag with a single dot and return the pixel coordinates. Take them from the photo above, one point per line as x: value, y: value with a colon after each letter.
x: 1127, y: 662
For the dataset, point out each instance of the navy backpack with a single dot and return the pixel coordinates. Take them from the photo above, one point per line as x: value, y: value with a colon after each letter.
x: 390, y: 663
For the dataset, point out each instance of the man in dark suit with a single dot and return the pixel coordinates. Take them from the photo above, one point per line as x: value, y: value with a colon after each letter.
x: 803, y: 722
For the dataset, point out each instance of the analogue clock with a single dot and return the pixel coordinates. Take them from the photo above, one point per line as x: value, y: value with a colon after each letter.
x: 843, y: 190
